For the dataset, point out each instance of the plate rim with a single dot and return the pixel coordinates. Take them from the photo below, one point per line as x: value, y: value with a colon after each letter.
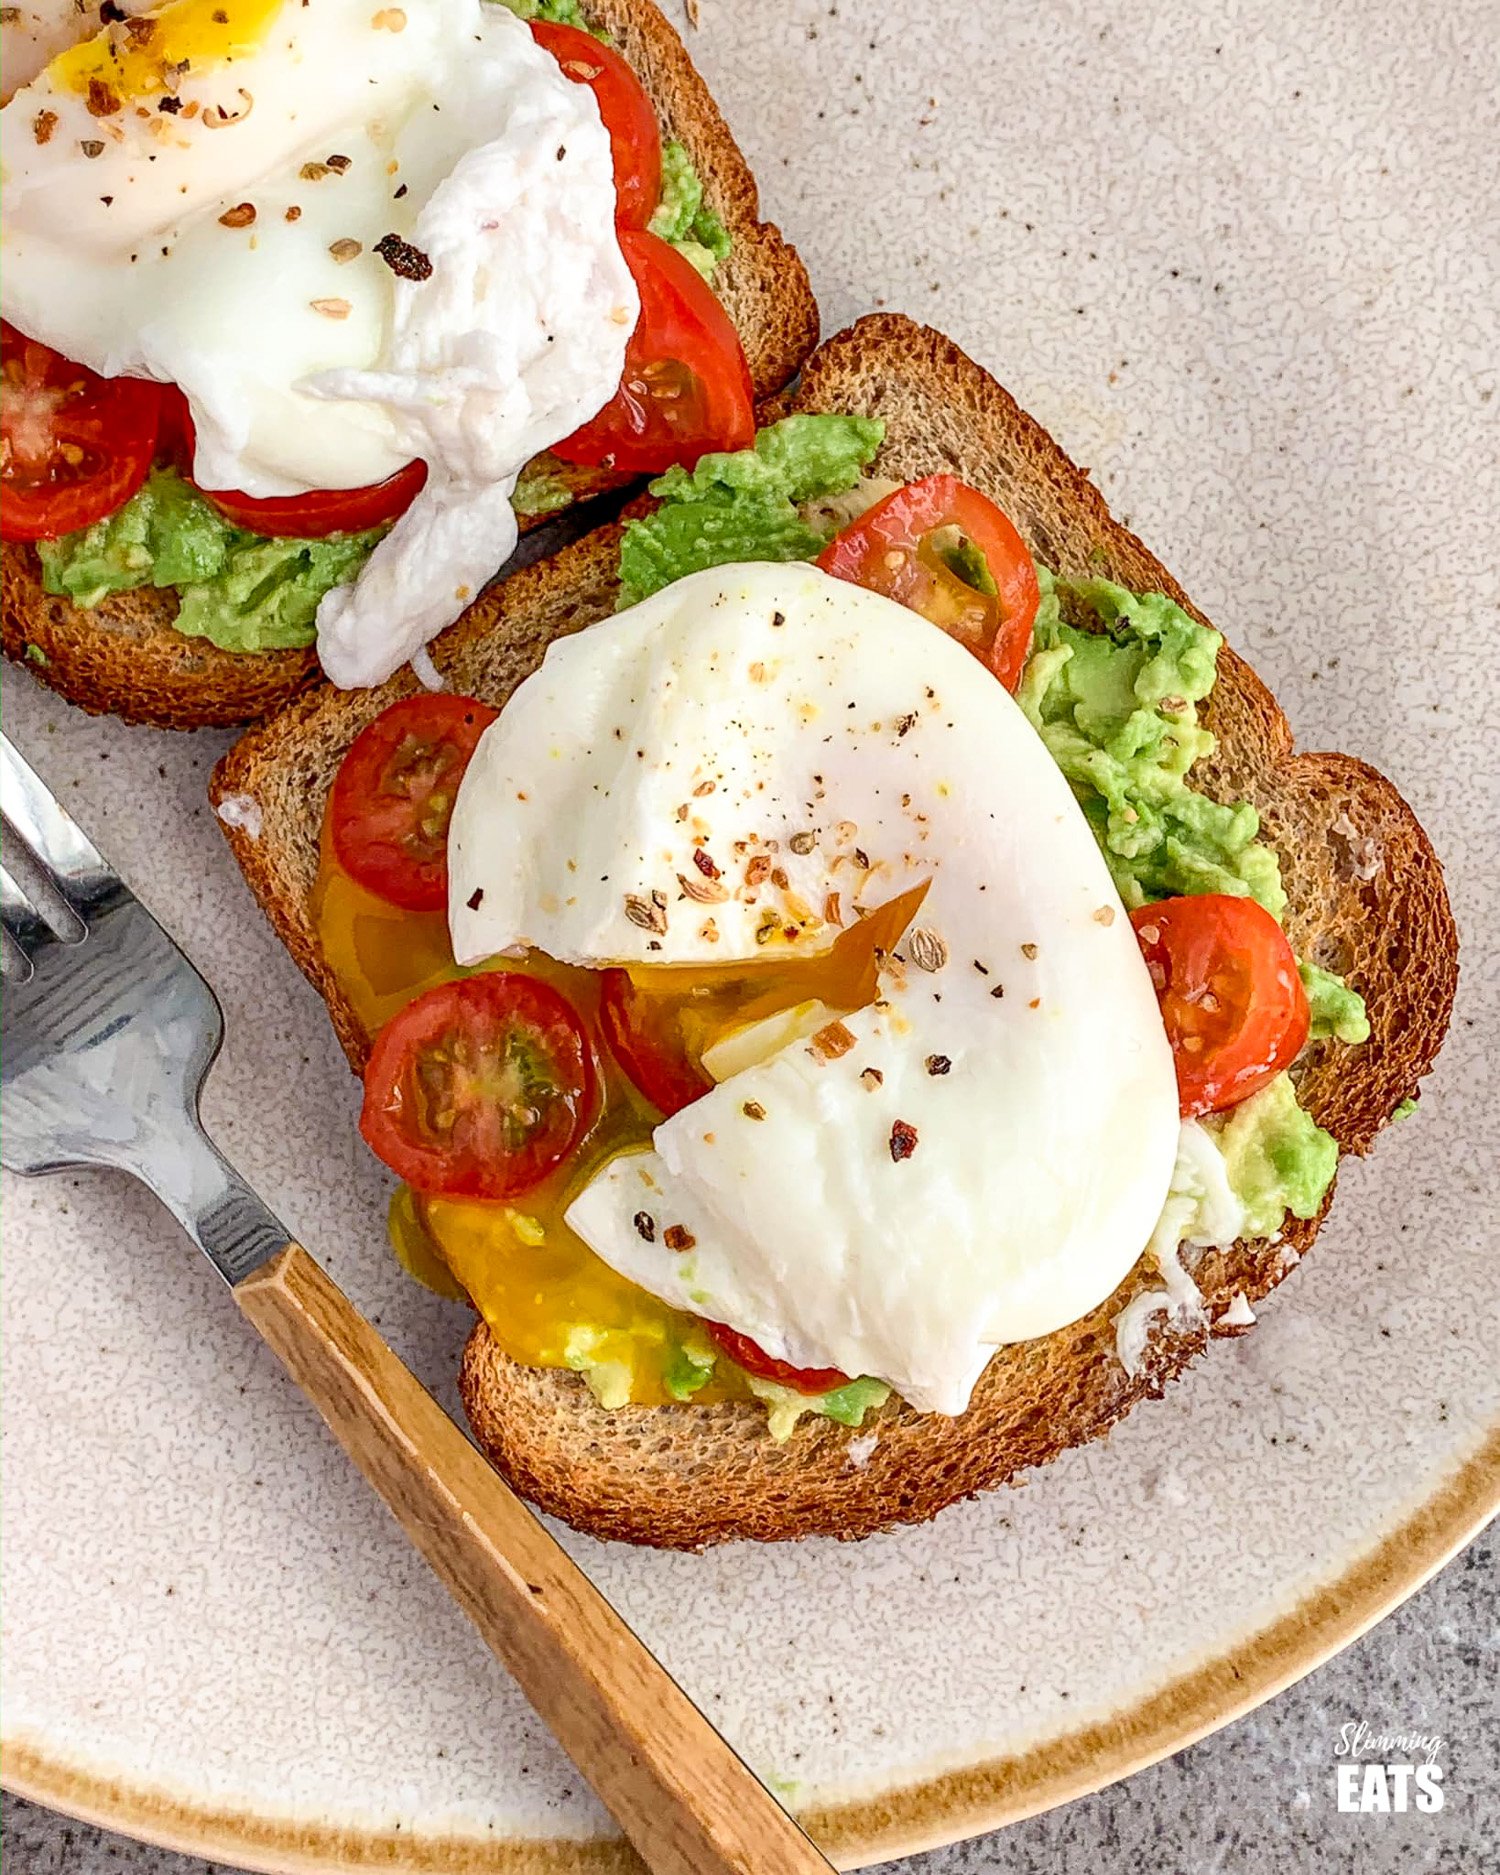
x: 928, y: 1814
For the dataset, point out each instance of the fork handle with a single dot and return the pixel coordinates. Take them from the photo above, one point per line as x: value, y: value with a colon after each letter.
x: 687, y: 1803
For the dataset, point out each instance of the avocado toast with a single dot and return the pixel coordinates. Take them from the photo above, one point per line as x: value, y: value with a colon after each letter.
x: 245, y: 639
x: 1364, y: 900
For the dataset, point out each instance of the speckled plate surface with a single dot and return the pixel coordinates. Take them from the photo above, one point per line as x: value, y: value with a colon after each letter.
x: 1243, y: 264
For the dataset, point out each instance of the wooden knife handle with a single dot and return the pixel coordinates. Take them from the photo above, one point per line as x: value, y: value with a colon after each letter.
x: 687, y: 1803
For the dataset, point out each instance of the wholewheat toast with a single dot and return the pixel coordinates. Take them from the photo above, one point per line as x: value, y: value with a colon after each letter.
x: 1365, y: 898
x: 124, y: 658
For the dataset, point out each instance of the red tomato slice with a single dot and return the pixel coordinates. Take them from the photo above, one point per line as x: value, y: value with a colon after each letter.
x: 686, y: 387
x: 645, y: 1041
x: 479, y: 1088
x: 949, y: 553
x: 393, y: 797
x: 322, y: 510
x: 73, y: 446
x: 753, y: 1358
x: 628, y: 115
x: 1232, y: 1001
x: 308, y: 516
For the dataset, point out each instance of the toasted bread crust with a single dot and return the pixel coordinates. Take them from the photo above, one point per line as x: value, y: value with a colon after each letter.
x: 1366, y: 896
x: 125, y: 658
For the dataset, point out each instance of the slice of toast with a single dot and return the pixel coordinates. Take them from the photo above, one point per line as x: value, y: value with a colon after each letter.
x: 1366, y: 897
x: 124, y: 658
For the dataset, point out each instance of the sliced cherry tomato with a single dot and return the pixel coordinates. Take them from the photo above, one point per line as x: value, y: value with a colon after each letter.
x: 686, y: 387
x: 949, y: 553
x: 479, y: 1088
x: 1233, y: 1003
x: 322, y: 510
x: 393, y: 797
x: 73, y: 446
x: 645, y: 1041
x: 308, y: 516
x: 753, y: 1358
x: 634, y: 139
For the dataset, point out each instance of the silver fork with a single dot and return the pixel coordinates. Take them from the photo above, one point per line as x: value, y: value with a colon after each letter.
x: 106, y: 1034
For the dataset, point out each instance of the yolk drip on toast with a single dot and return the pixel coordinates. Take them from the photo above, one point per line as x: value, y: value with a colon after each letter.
x: 536, y: 1283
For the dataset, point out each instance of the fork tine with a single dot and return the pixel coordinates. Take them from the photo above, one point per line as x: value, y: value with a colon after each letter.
x: 24, y: 924
x: 55, y: 839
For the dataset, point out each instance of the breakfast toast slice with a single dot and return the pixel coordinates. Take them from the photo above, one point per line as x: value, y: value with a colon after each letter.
x: 123, y: 657
x: 1365, y: 898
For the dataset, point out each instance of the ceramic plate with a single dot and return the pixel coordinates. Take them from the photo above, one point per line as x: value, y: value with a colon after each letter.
x: 1246, y: 270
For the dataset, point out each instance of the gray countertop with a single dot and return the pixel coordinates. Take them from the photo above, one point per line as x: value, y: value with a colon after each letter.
x: 1259, y: 1795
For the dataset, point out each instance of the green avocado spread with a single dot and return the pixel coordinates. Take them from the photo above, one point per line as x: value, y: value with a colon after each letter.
x: 1336, y: 1010
x: 1276, y: 1157
x: 683, y: 219
x: 239, y: 590
x: 1117, y: 709
x: 846, y: 1405
x: 1116, y: 705
x: 556, y: 12
x: 746, y: 504
x: 541, y: 489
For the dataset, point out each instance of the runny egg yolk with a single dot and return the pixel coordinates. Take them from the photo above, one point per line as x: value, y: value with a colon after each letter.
x: 150, y: 55
x: 548, y: 1300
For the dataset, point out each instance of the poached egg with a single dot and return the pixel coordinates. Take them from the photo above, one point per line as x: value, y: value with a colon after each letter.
x: 354, y: 234
x: 736, y: 769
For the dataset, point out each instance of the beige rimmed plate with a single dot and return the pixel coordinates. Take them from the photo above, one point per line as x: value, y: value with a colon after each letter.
x: 1246, y: 274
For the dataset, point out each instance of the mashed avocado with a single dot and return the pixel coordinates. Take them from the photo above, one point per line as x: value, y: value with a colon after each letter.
x: 690, y: 1366
x: 847, y: 1404
x: 587, y: 1352
x: 1276, y: 1156
x: 743, y: 504
x: 1117, y: 711
x: 681, y: 217
x: 1335, y: 1009
x: 541, y: 490
x: 239, y: 590
x: 1238, y: 1174
x: 557, y: 12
